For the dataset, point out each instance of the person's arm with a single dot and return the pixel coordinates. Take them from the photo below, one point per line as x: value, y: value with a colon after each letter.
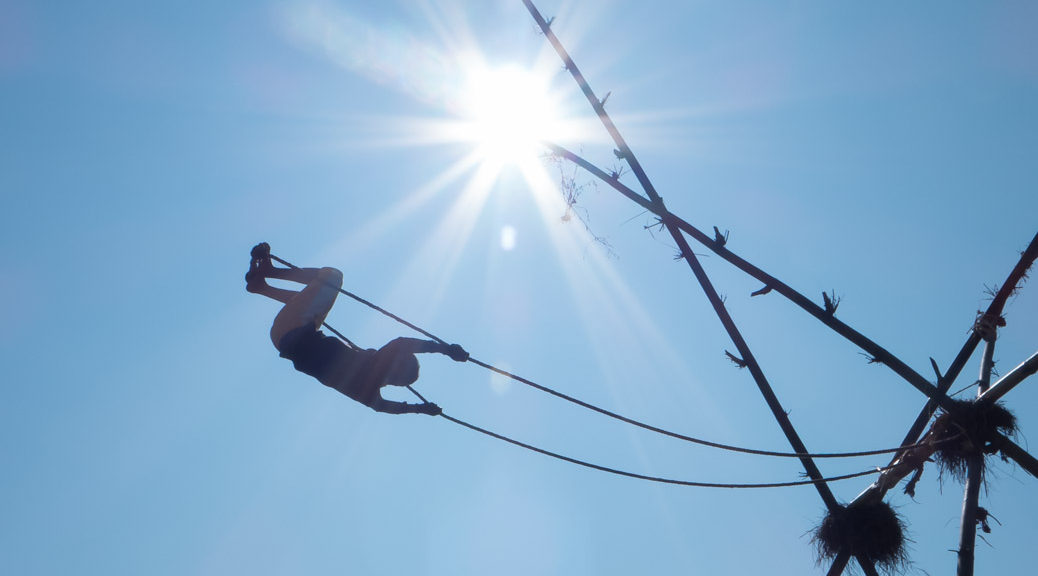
x: 417, y: 346
x: 393, y: 407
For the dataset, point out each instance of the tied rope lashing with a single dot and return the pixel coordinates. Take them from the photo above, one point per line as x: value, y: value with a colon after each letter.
x: 598, y: 409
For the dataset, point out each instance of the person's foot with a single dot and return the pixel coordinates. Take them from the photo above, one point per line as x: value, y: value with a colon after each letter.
x: 261, y: 251
x: 259, y: 268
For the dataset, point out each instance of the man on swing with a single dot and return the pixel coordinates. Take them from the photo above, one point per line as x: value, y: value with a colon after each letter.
x: 359, y: 374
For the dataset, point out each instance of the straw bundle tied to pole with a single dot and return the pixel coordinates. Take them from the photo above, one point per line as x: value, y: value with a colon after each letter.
x: 871, y: 532
x: 973, y: 427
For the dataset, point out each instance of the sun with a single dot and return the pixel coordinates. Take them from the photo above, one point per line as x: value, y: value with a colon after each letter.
x: 508, y: 112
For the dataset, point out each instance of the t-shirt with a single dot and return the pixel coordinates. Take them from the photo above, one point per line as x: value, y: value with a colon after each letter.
x: 334, y: 364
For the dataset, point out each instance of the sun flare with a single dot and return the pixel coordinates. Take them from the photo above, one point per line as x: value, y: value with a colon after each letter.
x: 508, y: 112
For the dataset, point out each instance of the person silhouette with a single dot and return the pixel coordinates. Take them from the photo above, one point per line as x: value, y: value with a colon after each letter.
x: 358, y: 373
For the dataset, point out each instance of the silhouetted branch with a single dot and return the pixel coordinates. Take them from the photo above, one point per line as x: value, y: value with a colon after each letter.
x: 720, y: 239
x: 871, y: 359
x: 831, y: 302
x: 735, y: 359
x: 936, y: 371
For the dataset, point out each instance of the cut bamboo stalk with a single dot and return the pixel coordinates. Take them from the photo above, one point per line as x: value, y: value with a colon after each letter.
x: 1010, y: 380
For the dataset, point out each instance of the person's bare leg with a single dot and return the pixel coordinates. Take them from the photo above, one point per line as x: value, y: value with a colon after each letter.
x: 257, y: 283
x: 307, y: 306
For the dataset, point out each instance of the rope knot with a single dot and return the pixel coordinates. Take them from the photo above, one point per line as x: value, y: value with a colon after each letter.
x: 987, y: 326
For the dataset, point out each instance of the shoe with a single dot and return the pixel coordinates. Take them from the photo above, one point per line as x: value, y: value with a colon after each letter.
x: 255, y: 281
x: 261, y: 251
x: 259, y: 266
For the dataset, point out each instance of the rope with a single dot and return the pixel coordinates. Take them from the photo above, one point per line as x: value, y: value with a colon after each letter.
x: 608, y: 413
x: 643, y: 476
x: 691, y: 439
x: 372, y: 306
x: 655, y: 478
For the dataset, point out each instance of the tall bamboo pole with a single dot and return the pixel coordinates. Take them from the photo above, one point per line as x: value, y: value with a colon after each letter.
x: 968, y: 527
x: 974, y: 471
x: 671, y: 223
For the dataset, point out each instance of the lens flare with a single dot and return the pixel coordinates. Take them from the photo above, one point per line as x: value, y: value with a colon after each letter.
x: 508, y: 113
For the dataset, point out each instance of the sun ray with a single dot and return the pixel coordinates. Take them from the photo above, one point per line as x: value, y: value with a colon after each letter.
x: 382, y: 224
x: 433, y: 265
x: 499, y: 114
x: 600, y: 293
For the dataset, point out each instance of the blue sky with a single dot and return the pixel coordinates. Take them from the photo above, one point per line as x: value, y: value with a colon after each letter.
x: 884, y: 152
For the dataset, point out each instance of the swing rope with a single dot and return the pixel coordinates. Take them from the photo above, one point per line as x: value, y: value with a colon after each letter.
x: 603, y: 411
x: 635, y: 475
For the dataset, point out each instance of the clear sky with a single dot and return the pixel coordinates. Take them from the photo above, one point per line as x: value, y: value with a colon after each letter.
x: 147, y: 425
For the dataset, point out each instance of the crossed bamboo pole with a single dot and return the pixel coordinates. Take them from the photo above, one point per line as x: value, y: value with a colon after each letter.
x: 672, y: 225
x: 903, y: 465
x: 936, y: 394
x: 670, y: 222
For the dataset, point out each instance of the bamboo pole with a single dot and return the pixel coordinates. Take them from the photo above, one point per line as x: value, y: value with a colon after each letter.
x: 968, y: 527
x: 891, y: 477
x: 987, y: 362
x: 974, y: 472
x: 1019, y: 455
x: 1010, y: 380
x: 670, y: 221
x: 596, y: 104
x: 904, y: 464
x: 937, y: 395
x: 873, y: 349
x: 839, y: 563
x: 867, y: 567
x: 755, y: 370
x: 1027, y: 258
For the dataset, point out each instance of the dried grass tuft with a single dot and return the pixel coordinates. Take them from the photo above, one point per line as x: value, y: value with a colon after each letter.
x: 971, y: 428
x: 872, y: 532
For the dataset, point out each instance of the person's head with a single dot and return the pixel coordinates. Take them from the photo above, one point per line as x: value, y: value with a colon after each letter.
x: 403, y: 370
